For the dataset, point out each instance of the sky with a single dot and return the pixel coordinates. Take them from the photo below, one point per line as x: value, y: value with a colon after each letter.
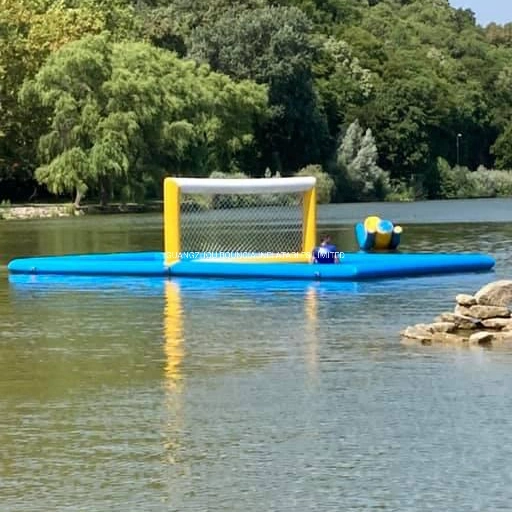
x: 486, y: 11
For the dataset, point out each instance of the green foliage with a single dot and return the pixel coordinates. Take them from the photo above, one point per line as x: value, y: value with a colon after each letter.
x: 501, y: 180
x: 400, y: 192
x: 324, y: 183
x: 185, y: 16
x: 487, y: 183
x: 449, y: 179
x: 30, y: 31
x: 460, y: 182
x: 271, y: 45
x: 357, y: 164
x: 342, y: 82
x: 247, y: 200
x: 120, y: 110
x: 114, y: 119
x: 258, y: 44
x: 502, y: 148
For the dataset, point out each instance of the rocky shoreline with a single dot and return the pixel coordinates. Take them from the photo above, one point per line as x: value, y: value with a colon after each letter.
x: 482, y: 319
x: 36, y: 212
x: 49, y: 211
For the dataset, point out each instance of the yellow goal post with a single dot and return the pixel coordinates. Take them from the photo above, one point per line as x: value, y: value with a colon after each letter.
x: 221, y: 206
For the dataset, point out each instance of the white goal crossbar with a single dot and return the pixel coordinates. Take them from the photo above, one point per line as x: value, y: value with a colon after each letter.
x: 244, y: 186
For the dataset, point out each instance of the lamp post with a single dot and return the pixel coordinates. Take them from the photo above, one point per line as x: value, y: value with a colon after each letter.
x: 459, y: 135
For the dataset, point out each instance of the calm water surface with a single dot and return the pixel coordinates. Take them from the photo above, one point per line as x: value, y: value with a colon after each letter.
x: 189, y: 395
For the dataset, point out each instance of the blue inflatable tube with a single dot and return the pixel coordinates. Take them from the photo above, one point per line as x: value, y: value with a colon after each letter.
x: 395, y: 238
x: 116, y: 264
x: 353, y: 266
x: 365, y: 239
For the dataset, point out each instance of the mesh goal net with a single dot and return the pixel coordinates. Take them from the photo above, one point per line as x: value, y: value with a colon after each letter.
x: 242, y: 219
x: 247, y: 223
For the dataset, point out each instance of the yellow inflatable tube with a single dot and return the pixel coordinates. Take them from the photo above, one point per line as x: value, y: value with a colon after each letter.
x: 383, y: 235
x: 371, y: 223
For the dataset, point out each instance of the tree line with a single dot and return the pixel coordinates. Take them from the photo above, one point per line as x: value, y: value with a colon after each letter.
x: 380, y: 99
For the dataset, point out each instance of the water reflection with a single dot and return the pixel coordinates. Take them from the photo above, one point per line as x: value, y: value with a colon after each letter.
x: 112, y: 299
x: 227, y: 384
x: 178, y: 290
x: 174, y: 336
x: 125, y: 292
x: 174, y: 339
x: 311, y: 342
x: 141, y: 394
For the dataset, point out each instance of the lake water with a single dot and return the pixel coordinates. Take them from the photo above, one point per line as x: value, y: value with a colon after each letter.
x: 152, y: 395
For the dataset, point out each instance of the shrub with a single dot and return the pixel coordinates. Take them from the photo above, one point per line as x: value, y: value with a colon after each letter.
x: 243, y: 200
x: 478, y: 184
x: 451, y: 181
x: 460, y: 182
x: 324, y: 183
x: 501, y: 181
x: 400, y: 192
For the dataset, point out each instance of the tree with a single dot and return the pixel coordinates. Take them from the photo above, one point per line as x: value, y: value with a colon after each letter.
x: 125, y: 114
x: 416, y: 73
x: 324, y: 183
x: 502, y: 148
x: 350, y: 144
x: 177, y: 20
x: 357, y: 162
x: 342, y: 82
x: 271, y: 46
x: 29, y: 32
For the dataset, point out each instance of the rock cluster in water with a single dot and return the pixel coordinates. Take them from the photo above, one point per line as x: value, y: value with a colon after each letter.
x: 480, y: 319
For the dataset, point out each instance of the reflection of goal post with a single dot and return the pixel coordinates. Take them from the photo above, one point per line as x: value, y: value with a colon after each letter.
x: 260, y: 219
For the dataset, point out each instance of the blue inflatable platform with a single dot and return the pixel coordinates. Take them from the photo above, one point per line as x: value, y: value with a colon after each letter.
x: 353, y: 266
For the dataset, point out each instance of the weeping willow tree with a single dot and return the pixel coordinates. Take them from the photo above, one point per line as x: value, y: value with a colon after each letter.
x: 124, y: 114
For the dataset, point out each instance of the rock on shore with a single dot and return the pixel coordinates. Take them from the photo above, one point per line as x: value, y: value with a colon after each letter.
x: 36, y: 212
x: 47, y: 211
x: 480, y: 319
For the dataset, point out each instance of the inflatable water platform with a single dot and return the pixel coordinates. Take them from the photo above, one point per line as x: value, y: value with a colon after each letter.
x: 269, y: 197
x: 352, y: 266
